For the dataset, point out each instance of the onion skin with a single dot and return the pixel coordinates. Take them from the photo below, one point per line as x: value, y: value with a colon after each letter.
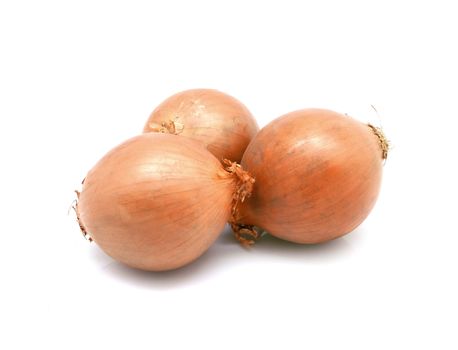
x: 221, y: 122
x: 156, y: 202
x: 318, y: 175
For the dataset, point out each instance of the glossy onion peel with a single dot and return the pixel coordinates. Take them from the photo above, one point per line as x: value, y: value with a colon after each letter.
x: 318, y: 175
x: 221, y: 122
x: 157, y: 201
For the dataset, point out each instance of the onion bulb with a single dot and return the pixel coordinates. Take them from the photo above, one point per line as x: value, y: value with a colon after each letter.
x: 318, y: 175
x: 157, y: 202
x: 221, y: 122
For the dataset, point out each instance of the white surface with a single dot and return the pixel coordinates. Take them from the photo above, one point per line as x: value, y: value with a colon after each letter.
x: 77, y: 79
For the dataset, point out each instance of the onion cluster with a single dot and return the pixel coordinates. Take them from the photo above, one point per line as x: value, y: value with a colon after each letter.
x: 159, y: 200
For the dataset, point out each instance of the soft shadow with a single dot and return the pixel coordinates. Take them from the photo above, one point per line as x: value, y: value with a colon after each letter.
x: 270, y: 245
x: 274, y: 247
x: 211, y: 261
x: 227, y: 251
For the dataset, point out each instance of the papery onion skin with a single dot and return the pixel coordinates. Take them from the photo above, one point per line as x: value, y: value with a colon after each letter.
x: 318, y: 175
x: 214, y: 118
x: 156, y: 202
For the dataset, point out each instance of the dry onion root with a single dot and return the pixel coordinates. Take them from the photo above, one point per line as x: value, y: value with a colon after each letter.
x: 221, y: 122
x: 318, y: 175
x: 157, y: 202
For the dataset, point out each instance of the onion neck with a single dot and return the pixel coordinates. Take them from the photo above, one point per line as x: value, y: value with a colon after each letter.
x: 245, y: 234
x: 384, y: 143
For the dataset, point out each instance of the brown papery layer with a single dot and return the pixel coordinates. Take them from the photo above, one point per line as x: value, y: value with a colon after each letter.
x: 245, y: 234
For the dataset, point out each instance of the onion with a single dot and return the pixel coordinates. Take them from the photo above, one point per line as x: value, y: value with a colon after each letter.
x: 222, y: 123
x: 318, y: 175
x: 157, y: 202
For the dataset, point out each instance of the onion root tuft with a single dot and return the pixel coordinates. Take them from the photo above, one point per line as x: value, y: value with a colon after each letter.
x: 75, y: 208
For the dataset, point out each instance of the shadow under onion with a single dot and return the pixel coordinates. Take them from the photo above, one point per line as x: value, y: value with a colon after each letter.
x: 224, y: 252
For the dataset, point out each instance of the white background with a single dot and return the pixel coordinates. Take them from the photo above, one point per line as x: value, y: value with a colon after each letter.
x: 77, y: 78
